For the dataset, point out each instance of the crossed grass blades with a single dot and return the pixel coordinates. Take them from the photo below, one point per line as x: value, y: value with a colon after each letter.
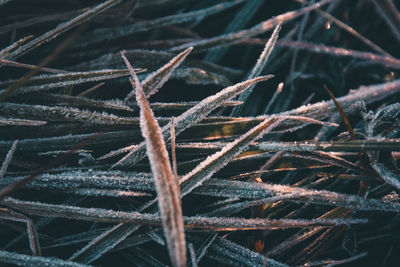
x: 103, y: 163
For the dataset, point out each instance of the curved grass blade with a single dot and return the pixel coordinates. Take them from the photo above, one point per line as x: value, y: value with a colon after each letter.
x: 341, y: 52
x: 167, y: 190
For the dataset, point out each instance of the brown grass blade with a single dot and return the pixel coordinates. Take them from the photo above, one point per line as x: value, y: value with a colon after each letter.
x: 167, y: 190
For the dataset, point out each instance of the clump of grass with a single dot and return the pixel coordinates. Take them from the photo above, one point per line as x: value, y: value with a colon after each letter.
x: 265, y: 168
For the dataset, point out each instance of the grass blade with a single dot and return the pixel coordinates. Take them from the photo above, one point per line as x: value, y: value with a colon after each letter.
x: 26, y: 260
x: 220, y: 159
x: 157, y: 79
x: 8, y: 159
x: 50, y: 35
x: 167, y: 190
x: 257, y: 69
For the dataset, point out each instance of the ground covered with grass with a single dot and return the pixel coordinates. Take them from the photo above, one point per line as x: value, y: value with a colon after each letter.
x: 199, y: 133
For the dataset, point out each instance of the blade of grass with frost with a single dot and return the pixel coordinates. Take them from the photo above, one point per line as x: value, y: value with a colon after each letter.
x: 184, y: 105
x: 26, y: 260
x: 343, y: 146
x: 236, y: 254
x: 97, y: 247
x: 195, y: 222
x: 115, y: 180
x: 8, y: 159
x: 257, y: 69
x: 220, y: 159
x: 103, y: 34
x: 61, y: 28
x: 83, y: 102
x: 231, y: 209
x: 5, y: 51
x: 65, y: 142
x: 191, y: 117
x: 342, y: 52
x: 387, y: 175
x: 329, y: 146
x: 192, y: 255
x: 65, y: 114
x: 157, y: 79
x: 7, y: 62
x: 222, y: 188
x: 32, y: 234
x: 369, y: 94
x: 167, y: 190
x: 201, y: 252
x: 260, y: 28
x: 74, y: 238
x: 47, y: 82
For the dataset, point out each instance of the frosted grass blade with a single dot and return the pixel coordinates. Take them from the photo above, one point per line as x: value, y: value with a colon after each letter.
x: 157, y: 79
x: 257, y: 69
x: 26, y: 260
x: 8, y: 159
x: 167, y: 190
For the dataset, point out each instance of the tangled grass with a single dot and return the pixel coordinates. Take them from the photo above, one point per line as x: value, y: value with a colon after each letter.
x: 169, y: 132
